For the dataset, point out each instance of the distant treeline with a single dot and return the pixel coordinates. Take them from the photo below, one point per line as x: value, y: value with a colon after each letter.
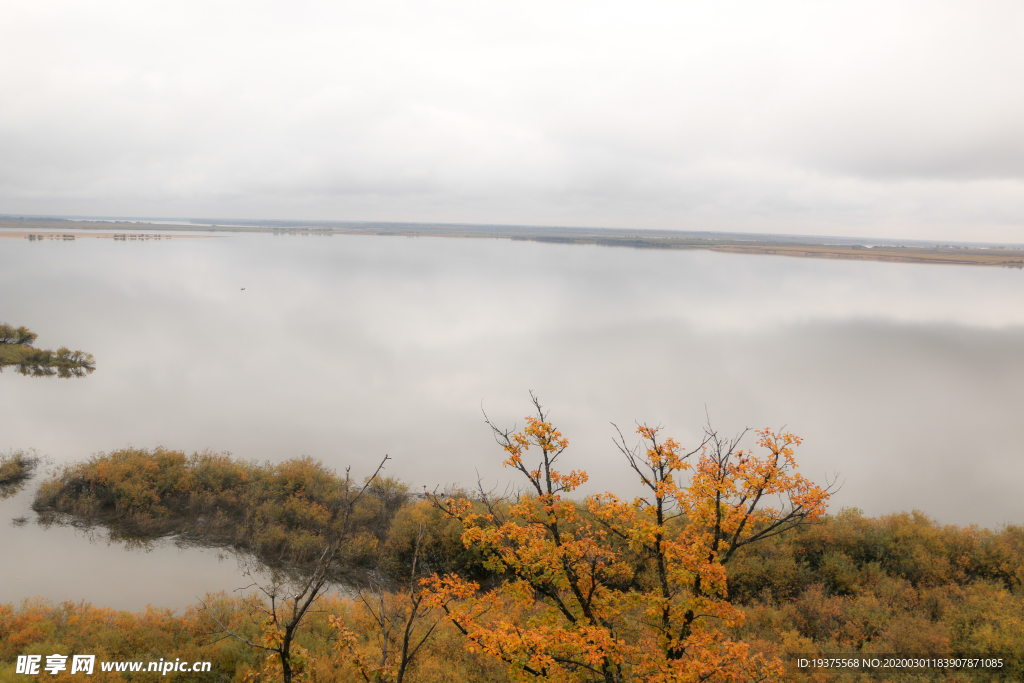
x: 802, y: 246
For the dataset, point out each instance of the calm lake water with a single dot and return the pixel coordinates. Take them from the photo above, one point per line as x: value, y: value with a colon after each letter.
x: 906, y: 381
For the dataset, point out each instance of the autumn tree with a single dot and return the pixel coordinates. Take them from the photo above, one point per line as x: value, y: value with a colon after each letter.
x: 607, y: 589
x: 16, y: 351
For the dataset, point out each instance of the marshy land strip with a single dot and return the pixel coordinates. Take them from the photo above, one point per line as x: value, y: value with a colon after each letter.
x: 802, y: 246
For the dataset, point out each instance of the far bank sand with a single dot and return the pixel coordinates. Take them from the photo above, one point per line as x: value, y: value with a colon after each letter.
x: 76, y: 234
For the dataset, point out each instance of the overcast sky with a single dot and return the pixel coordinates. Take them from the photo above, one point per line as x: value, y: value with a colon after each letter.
x: 900, y: 119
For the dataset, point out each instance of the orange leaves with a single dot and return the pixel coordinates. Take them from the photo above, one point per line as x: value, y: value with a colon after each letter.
x: 729, y: 486
x: 609, y: 589
x: 544, y: 434
x: 538, y: 432
x: 509, y: 624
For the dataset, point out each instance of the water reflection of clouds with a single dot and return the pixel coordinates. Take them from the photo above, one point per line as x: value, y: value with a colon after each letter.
x: 63, y: 563
x: 483, y: 288
x: 905, y: 379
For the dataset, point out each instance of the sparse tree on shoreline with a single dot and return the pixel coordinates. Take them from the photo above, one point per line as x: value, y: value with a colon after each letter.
x: 401, y: 623
x: 295, y: 587
x: 16, y: 351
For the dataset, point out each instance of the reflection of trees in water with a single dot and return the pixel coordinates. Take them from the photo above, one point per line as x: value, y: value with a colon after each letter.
x: 16, y: 350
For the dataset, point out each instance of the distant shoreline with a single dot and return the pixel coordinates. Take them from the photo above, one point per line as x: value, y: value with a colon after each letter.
x: 892, y: 251
x: 62, y: 233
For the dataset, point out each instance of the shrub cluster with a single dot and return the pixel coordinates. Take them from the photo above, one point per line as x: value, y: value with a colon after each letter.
x: 37, y: 627
x: 850, y: 585
x: 855, y: 586
x: 281, y: 514
x: 16, y: 468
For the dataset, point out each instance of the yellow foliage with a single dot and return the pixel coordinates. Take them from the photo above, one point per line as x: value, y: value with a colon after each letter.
x: 618, y: 590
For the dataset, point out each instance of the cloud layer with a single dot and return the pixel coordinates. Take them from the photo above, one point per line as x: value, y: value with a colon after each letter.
x: 863, y: 118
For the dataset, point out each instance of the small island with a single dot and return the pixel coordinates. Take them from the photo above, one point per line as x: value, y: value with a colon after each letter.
x: 16, y: 351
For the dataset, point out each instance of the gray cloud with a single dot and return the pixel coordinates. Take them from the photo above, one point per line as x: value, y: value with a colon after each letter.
x: 834, y: 118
